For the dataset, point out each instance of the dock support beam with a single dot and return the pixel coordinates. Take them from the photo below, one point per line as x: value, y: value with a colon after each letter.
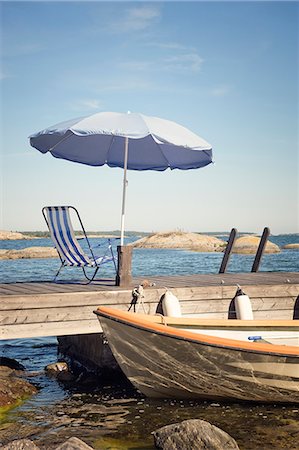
x: 124, y: 266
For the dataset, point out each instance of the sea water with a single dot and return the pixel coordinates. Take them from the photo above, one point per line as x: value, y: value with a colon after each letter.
x: 111, y: 414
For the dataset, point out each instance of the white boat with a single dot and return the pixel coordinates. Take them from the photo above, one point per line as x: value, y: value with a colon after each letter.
x: 178, y: 357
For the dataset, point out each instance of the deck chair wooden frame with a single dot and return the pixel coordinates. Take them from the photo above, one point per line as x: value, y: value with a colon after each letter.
x: 70, y: 252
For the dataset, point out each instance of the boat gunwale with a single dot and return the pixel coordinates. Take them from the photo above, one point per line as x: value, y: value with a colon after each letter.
x: 200, y: 322
x: 131, y: 320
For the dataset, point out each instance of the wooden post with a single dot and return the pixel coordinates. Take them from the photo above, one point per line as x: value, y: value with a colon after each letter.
x: 124, y: 266
x: 228, y: 250
x: 260, y: 250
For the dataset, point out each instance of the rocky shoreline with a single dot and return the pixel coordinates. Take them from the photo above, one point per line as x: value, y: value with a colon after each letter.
x: 246, y: 244
x: 170, y: 428
x: 72, y: 443
x: 29, y: 252
x: 249, y: 244
x: 179, y: 239
x: 14, y: 235
x: 13, y: 386
x: 291, y: 247
x: 186, y: 434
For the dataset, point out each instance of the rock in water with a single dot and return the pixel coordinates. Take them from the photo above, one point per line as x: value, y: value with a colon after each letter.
x: 59, y: 366
x: 249, y: 244
x: 291, y: 247
x: 13, y: 388
x: 180, y: 239
x: 12, y: 235
x: 74, y: 444
x: 21, y: 444
x: 29, y: 252
x: 25, y: 444
x: 60, y: 370
x: 11, y: 363
x: 193, y: 434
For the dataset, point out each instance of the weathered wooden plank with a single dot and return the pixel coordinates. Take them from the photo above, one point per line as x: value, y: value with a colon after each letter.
x: 260, y: 277
x: 124, y: 265
x: 279, y: 290
x: 45, y: 304
x: 212, y: 292
x: 7, y: 292
x: 47, y: 315
x: 55, y: 314
x: 259, y: 315
x: 272, y: 315
x: 50, y: 329
x: 45, y: 289
x: 92, y: 326
x: 28, y: 288
x: 64, y: 299
x: 269, y: 303
x: 258, y: 304
x: 187, y: 280
x: 12, y: 289
x: 151, y: 295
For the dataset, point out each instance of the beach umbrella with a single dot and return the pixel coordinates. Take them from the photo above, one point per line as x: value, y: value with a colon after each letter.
x: 128, y: 140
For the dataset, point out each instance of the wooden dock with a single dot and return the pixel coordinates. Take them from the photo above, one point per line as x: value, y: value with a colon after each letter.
x: 56, y: 309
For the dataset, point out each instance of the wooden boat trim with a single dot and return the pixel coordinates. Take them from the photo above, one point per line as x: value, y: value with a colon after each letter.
x: 286, y: 325
x: 143, y: 322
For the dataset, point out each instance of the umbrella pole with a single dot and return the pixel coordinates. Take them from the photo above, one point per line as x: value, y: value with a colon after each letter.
x: 125, y: 183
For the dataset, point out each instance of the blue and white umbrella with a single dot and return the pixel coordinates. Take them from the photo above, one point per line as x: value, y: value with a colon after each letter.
x: 127, y: 140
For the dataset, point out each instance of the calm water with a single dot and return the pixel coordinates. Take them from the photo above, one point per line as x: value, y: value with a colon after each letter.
x: 111, y: 414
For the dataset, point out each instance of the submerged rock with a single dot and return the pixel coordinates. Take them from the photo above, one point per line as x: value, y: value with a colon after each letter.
x: 193, y: 434
x: 291, y: 247
x: 179, y: 239
x: 249, y: 245
x: 74, y: 444
x: 13, y: 235
x: 29, y: 252
x: 60, y: 370
x: 26, y: 444
x: 20, y: 444
x: 57, y: 367
x: 13, y: 388
x: 11, y: 363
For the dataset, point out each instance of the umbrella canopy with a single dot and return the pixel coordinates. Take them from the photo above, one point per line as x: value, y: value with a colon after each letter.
x: 131, y: 141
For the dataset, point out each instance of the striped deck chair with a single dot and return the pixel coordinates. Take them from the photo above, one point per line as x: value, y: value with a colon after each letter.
x: 69, y: 249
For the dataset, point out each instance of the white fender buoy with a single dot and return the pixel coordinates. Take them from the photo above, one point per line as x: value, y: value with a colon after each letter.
x: 170, y: 305
x: 243, y: 305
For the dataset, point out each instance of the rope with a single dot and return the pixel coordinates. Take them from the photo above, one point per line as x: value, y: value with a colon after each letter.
x: 137, y: 298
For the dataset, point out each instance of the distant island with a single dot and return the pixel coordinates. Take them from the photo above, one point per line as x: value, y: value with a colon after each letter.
x: 249, y: 244
x: 180, y: 239
x: 29, y: 252
x: 291, y: 247
x: 16, y: 235
x: 246, y: 243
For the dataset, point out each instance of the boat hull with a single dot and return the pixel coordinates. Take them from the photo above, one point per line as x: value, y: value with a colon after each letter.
x: 162, y: 365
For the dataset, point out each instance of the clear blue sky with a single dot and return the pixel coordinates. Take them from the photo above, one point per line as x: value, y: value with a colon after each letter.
x: 226, y: 70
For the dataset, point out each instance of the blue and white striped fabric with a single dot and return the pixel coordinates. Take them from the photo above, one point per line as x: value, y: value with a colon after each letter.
x: 70, y: 251
x: 64, y: 238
